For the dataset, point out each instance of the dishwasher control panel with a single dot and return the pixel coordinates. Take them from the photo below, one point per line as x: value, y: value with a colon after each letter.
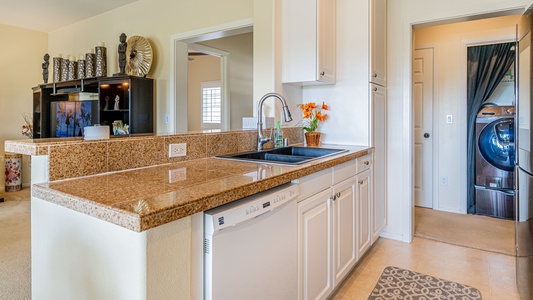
x: 250, y: 207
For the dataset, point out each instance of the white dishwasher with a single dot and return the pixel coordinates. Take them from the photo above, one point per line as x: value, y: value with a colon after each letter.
x: 250, y: 247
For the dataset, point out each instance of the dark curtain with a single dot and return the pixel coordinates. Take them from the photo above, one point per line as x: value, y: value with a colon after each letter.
x: 486, y: 67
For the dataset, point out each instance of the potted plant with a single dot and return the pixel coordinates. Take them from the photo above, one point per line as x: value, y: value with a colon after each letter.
x: 312, y: 116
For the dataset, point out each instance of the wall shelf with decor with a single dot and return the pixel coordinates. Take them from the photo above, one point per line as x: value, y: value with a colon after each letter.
x: 63, y: 109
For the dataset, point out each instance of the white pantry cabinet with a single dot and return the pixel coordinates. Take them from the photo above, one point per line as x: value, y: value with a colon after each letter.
x: 378, y: 98
x: 378, y: 42
x: 308, y: 41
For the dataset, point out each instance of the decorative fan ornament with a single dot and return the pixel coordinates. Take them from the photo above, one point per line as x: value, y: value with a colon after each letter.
x: 139, y: 56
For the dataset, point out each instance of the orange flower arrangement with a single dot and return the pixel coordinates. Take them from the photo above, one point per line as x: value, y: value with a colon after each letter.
x: 312, y: 115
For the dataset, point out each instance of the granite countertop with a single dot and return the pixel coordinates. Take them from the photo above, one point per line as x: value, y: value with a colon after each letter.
x: 148, y: 197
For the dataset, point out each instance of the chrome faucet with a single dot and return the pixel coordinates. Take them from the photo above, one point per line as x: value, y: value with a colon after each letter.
x: 287, y: 114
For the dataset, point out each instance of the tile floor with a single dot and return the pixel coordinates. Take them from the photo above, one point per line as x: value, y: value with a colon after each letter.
x: 493, y: 274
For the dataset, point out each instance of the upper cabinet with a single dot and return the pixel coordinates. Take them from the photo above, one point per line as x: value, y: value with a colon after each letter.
x: 308, y: 41
x: 378, y: 45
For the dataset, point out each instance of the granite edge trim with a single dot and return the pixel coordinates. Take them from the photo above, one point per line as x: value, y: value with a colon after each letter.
x: 139, y: 223
x: 86, y: 207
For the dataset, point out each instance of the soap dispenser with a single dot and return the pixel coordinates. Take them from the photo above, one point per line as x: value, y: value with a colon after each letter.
x: 278, y: 136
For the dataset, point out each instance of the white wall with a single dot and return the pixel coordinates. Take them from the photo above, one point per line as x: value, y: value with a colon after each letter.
x: 449, y: 43
x: 21, y: 56
x: 401, y: 15
x: 348, y: 99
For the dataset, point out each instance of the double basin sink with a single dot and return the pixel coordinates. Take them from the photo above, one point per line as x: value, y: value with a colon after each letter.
x: 292, y: 155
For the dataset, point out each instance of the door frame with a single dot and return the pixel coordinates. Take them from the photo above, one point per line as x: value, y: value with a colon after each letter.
x: 224, y: 85
x: 178, y: 65
x: 434, y: 128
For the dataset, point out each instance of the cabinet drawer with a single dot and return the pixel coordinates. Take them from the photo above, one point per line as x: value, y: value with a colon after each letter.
x: 314, y: 183
x: 364, y: 163
x: 344, y: 171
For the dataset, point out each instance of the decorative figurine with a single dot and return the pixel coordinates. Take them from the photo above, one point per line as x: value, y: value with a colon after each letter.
x: 106, y: 103
x: 122, y: 55
x: 45, y: 67
x: 117, y: 100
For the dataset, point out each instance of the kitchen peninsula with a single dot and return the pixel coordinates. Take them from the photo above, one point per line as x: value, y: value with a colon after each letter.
x: 118, y: 219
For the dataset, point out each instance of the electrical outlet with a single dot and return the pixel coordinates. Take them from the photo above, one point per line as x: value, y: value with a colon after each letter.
x: 444, y: 180
x: 175, y: 150
x: 177, y: 175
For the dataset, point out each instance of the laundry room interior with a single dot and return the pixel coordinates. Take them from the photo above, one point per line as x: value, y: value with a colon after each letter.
x: 445, y: 196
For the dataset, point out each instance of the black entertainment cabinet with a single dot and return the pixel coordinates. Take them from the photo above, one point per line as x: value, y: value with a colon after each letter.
x: 62, y: 109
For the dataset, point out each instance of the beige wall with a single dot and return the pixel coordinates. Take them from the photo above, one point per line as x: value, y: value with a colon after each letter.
x: 155, y: 20
x: 449, y: 43
x: 202, y: 68
x: 21, y: 56
x: 240, y: 69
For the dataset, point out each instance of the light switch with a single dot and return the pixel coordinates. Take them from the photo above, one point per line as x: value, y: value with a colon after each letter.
x: 449, y: 119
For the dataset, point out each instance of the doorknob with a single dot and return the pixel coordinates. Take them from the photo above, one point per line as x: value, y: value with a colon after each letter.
x: 426, y: 135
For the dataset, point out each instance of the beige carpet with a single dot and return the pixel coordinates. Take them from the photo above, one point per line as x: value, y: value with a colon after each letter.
x: 15, y: 256
x: 474, y: 231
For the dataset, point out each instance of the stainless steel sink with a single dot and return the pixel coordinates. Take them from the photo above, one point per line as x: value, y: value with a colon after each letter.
x: 287, y: 155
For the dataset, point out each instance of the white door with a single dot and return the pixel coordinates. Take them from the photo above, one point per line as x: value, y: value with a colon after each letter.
x: 423, y: 107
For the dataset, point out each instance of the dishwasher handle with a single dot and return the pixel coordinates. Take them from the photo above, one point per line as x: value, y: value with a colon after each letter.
x: 241, y: 211
x: 248, y: 220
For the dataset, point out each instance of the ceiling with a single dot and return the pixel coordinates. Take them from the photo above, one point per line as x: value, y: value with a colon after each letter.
x: 49, y: 15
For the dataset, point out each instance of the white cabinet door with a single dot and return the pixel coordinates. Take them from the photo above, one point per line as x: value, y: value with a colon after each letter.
x: 364, y: 197
x: 344, y: 216
x: 315, y: 247
x: 326, y: 40
x: 378, y: 98
x: 378, y: 46
x: 308, y: 41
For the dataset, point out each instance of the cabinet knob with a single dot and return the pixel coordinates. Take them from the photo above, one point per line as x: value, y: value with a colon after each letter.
x: 322, y: 73
x: 426, y: 135
x: 360, y: 182
x: 366, y: 163
x: 375, y: 75
x: 338, y: 195
x: 375, y: 89
x: 333, y: 198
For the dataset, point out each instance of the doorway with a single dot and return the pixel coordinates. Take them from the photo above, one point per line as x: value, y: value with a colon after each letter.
x: 178, y: 121
x: 448, y: 133
x: 207, y: 89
